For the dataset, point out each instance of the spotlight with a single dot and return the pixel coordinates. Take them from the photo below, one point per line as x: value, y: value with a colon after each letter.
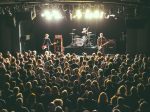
x: 45, y: 13
x: 78, y: 14
x: 88, y: 14
x: 98, y: 14
x: 56, y: 15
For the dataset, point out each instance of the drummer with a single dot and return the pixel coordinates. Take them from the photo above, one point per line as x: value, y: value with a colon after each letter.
x: 84, y: 32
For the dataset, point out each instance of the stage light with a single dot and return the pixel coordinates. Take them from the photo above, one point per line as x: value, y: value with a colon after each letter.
x: 78, y: 14
x: 98, y: 14
x: 57, y: 15
x: 49, y: 17
x: 101, y: 14
x: 45, y: 13
x: 88, y: 14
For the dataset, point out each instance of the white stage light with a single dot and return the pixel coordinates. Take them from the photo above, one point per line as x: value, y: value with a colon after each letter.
x: 98, y: 14
x: 56, y: 14
x: 47, y: 15
x: 78, y: 14
x: 101, y: 15
x: 88, y: 14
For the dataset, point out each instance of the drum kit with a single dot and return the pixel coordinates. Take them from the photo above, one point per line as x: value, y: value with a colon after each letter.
x: 78, y: 41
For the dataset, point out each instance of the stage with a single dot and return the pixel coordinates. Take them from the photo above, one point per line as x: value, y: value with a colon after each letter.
x: 87, y: 49
x: 79, y: 50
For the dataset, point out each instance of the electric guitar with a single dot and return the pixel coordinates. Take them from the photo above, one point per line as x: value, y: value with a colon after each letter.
x: 46, y: 46
x: 100, y: 47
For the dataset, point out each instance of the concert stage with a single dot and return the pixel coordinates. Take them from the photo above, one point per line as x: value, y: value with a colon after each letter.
x: 79, y: 50
x: 89, y: 50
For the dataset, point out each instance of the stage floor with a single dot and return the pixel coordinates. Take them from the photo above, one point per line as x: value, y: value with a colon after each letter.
x: 79, y: 50
x: 87, y: 49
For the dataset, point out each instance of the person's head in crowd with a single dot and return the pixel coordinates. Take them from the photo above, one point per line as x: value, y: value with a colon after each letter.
x: 122, y: 91
x: 133, y: 91
x: 113, y: 100
x: 144, y: 107
x: 19, y: 101
x: 35, y: 83
x: 55, y: 90
x: 67, y: 71
x: 28, y: 86
x: 88, y: 76
x: 84, y: 63
x: 116, y: 110
x: 47, y: 90
x: 90, y: 63
x: 100, y: 72
x: 16, y: 90
x: 58, y: 102
x: 4, y: 110
x: 88, y: 83
x: 58, y: 109
x: 120, y: 101
x: 82, y: 87
x: 140, y: 89
x: 59, y: 69
x: 95, y: 69
x: 90, y: 95
x: 7, y: 85
x: 102, y: 98
x: 19, y: 95
x: 145, y: 77
x: 95, y: 84
x: 80, y: 104
x: 64, y: 94
x: 108, y: 83
x: 114, y: 78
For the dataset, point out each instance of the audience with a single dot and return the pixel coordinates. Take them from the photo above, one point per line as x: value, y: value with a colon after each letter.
x: 49, y: 82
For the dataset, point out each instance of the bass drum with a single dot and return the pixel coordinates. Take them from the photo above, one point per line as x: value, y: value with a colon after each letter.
x: 78, y: 42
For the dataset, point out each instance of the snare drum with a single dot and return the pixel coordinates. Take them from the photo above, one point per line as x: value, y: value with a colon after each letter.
x: 78, y: 42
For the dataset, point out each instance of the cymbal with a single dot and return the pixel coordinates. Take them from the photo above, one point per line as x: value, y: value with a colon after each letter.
x: 73, y: 29
x: 71, y: 33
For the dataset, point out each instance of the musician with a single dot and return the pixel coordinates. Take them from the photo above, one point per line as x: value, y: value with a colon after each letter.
x: 101, y: 42
x: 84, y: 31
x: 46, y: 43
x: 85, y: 34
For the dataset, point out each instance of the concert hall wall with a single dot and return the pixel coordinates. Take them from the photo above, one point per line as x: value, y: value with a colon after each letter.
x: 138, y: 38
x: 8, y: 34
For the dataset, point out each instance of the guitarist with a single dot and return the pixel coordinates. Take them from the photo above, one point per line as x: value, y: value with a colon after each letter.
x: 101, y: 43
x: 46, y: 43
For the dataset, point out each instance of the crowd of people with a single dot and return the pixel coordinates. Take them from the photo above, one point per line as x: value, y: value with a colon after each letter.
x: 49, y: 82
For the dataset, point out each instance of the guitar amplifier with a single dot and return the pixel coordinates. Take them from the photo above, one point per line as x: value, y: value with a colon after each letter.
x: 58, y: 47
